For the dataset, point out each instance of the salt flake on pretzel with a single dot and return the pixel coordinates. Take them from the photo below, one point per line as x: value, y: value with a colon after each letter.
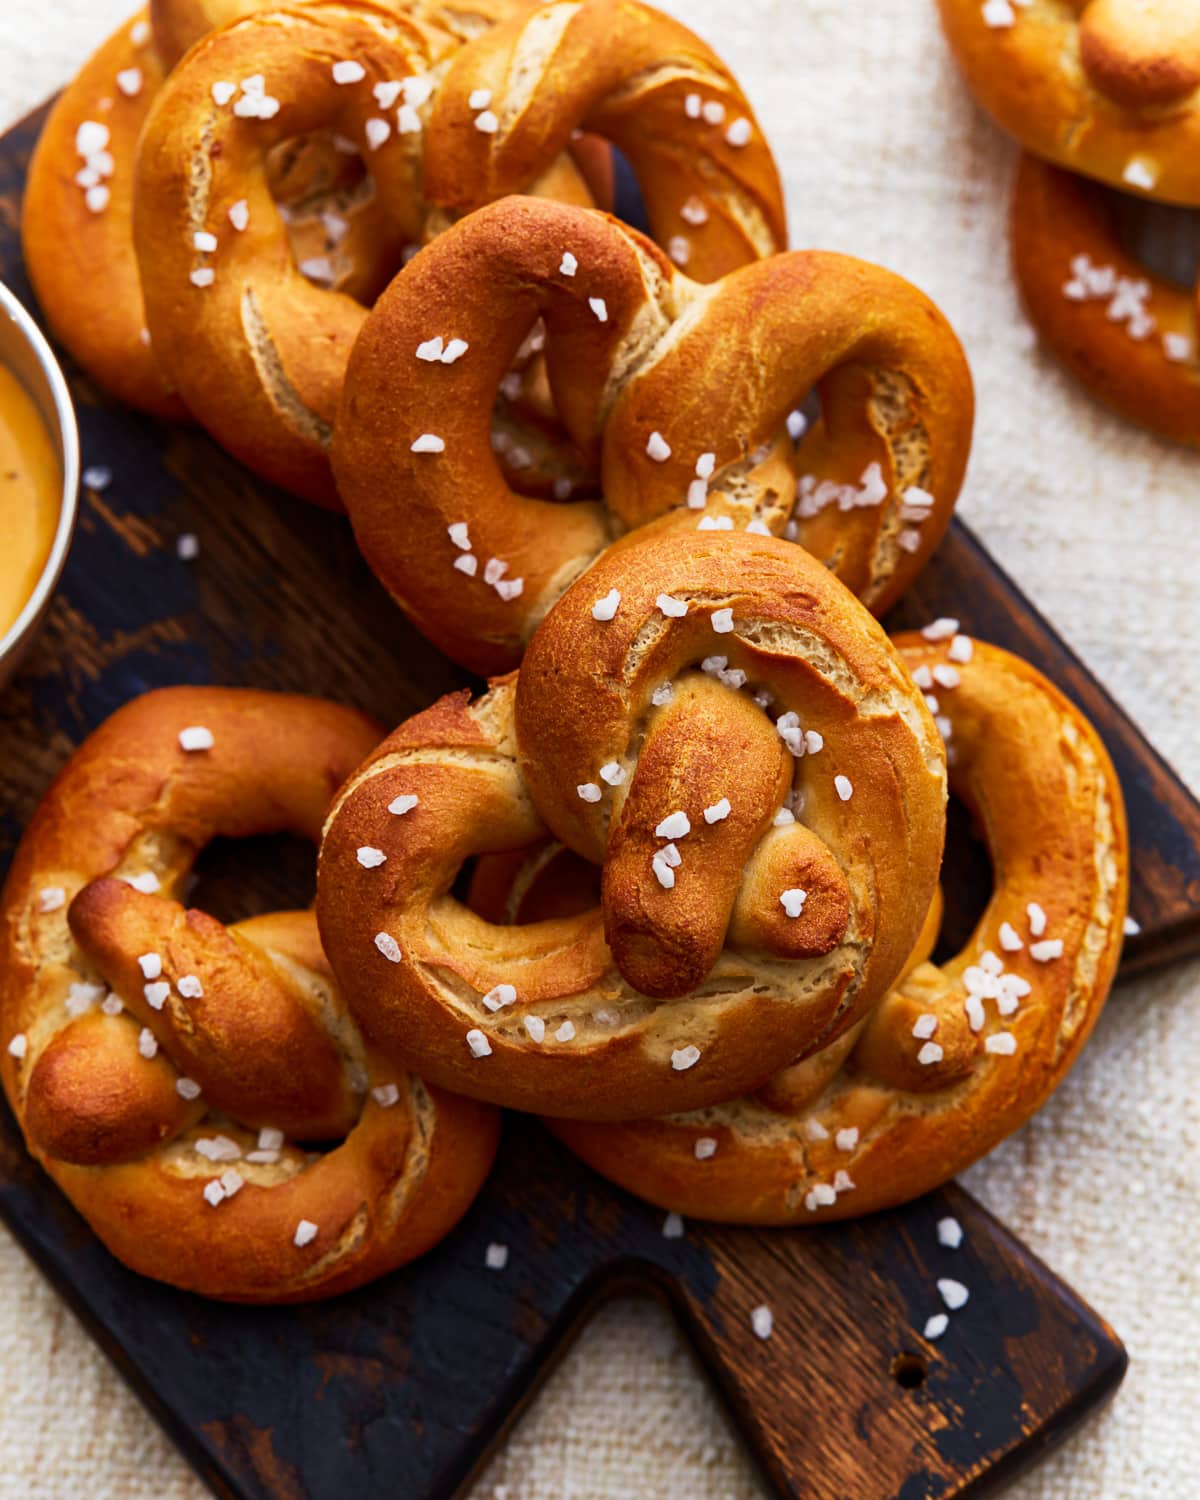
x: 691, y: 980
x: 959, y: 1054
x: 168, y: 1071
x: 685, y: 392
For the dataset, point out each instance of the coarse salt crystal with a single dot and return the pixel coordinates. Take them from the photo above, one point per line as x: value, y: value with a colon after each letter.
x: 369, y: 857
x: 844, y: 787
x: 348, y: 71
x: 196, y: 737
x: 1002, y: 1043
x: 925, y: 1025
x: 405, y: 803
x: 673, y: 608
x: 214, y: 1193
x: 658, y: 448
x: 718, y: 812
x: 1037, y: 919
x: 306, y: 1232
x: 536, y: 1028
x: 499, y: 996
x: 936, y: 1326
x: 51, y: 898
x: 946, y: 676
x: 190, y: 987
x: 467, y: 563
x: 487, y: 122
x: 202, y: 276
x: 429, y: 442
x: 672, y: 1227
x: 930, y: 1053
x: 676, y: 825
x: 612, y: 772
x: 713, y: 111
x: 431, y: 350
x: 388, y: 946
x: 18, y: 1046
x: 589, y: 792
x: 599, y: 307
x: 1010, y: 938
x: 478, y: 1043
x: 954, y: 1294
x: 846, y: 1139
x: 457, y: 531
x: 961, y: 649
x: 495, y: 1257
x: 606, y: 608
x: 1047, y: 949
x: 147, y: 882
x: 705, y: 1147
x: 739, y: 132
x: 187, y: 1088
x: 940, y: 629
x: 568, y: 265
x: 949, y: 1232
x: 205, y: 241
x: 147, y: 1043
x: 156, y: 994
x: 566, y: 1032
x: 222, y: 93
x: 685, y: 1057
x: 722, y: 621
x: 385, y: 1095
x: 793, y: 900
x: 762, y: 1321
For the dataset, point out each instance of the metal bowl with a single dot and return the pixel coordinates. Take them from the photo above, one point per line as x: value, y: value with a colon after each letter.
x: 27, y: 354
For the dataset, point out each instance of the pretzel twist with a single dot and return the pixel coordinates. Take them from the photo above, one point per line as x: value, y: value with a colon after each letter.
x: 958, y: 1054
x: 730, y: 936
x: 146, y: 1107
x: 1131, y: 337
x: 663, y: 379
x: 1109, y: 88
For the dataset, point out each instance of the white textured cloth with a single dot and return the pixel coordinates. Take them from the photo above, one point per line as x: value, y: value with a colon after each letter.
x: 883, y: 156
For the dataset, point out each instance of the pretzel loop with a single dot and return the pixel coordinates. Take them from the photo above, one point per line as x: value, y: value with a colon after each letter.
x: 169, y: 1068
x: 631, y: 738
x: 638, y: 77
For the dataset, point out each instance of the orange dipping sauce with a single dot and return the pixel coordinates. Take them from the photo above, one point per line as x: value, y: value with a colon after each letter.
x: 30, y: 496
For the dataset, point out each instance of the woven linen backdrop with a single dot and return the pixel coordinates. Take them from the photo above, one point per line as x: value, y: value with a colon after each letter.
x: 883, y: 156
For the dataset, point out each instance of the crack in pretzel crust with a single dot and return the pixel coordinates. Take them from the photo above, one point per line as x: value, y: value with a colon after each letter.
x: 866, y: 1124
x: 427, y: 976
x: 157, y: 1045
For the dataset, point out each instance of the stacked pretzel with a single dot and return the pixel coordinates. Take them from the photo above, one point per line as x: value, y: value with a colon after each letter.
x: 704, y: 805
x: 206, y: 241
x: 1102, y: 96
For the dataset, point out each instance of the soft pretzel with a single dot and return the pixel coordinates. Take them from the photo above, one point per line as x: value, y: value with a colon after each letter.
x: 77, y: 215
x: 257, y: 350
x: 957, y: 1055
x: 1130, y: 336
x: 169, y: 1072
x: 642, y: 80
x: 730, y: 935
x: 684, y: 391
x: 1110, y: 88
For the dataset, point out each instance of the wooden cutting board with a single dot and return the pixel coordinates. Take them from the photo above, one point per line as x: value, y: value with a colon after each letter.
x: 404, y: 1388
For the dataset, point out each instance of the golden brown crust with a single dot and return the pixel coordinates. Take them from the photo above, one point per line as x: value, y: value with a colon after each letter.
x: 81, y: 259
x: 643, y: 81
x: 249, y: 1014
x: 1131, y: 337
x: 626, y: 334
x: 1105, y: 87
x: 872, y: 1125
x: 423, y: 974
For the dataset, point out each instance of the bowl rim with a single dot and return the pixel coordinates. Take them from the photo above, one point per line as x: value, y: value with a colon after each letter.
x: 67, y: 442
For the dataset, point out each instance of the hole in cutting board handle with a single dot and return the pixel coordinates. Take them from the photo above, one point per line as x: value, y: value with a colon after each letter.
x: 909, y: 1371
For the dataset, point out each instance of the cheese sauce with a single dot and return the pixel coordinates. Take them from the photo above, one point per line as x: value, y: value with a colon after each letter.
x: 30, y: 495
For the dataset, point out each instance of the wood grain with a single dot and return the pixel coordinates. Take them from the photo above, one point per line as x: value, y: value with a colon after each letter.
x: 406, y: 1387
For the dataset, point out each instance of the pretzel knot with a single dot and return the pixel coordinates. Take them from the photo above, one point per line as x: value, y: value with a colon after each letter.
x: 1104, y: 87
x: 685, y: 393
x: 959, y: 1053
x: 723, y: 728
x: 1132, y: 337
x: 168, y: 1071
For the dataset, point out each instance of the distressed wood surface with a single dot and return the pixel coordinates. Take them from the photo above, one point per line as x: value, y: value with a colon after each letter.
x: 405, y: 1387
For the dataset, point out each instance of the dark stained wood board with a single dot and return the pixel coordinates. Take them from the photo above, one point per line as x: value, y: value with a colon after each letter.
x: 405, y: 1387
